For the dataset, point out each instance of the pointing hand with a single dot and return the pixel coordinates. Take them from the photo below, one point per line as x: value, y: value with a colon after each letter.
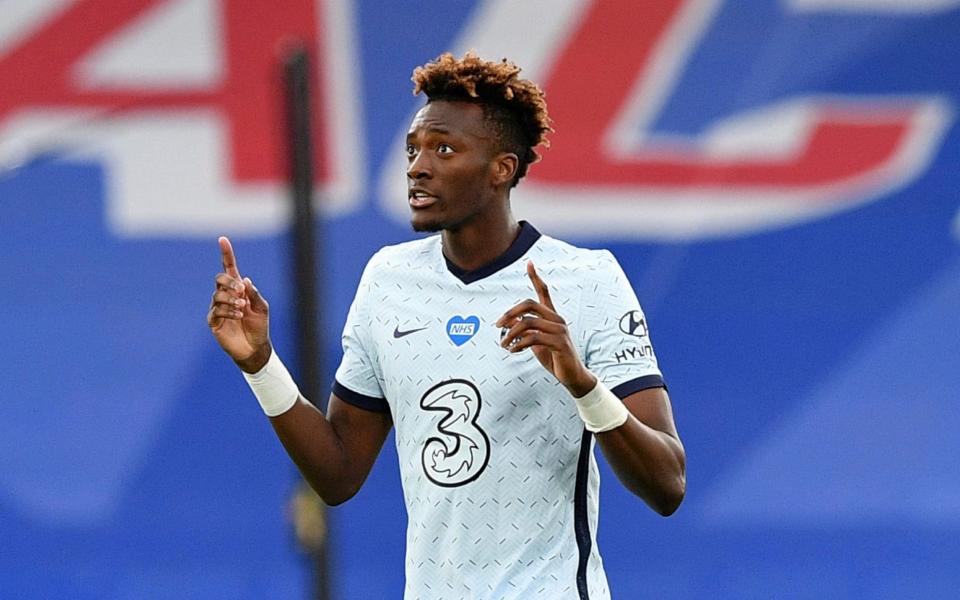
x: 536, y: 325
x: 238, y: 315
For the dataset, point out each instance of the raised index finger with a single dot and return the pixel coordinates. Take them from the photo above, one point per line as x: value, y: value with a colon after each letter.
x: 229, y: 260
x: 543, y: 293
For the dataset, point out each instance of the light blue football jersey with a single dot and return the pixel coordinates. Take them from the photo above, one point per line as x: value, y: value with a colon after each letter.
x: 499, y: 476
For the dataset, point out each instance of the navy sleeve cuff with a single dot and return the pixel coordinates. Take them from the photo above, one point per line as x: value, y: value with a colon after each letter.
x: 349, y: 396
x: 635, y: 385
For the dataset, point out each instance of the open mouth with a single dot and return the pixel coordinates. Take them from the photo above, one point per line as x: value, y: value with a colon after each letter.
x: 420, y: 199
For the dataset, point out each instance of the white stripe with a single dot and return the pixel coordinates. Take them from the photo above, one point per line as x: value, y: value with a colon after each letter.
x: 22, y: 18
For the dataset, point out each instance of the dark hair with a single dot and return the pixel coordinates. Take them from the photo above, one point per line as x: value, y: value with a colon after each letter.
x: 514, y: 107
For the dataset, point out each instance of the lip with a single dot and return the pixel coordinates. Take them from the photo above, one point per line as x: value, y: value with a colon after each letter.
x: 420, y: 198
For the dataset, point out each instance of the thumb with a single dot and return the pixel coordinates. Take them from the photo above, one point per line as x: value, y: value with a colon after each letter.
x: 257, y: 303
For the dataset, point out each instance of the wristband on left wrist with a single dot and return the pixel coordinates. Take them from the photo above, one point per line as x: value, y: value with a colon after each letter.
x: 601, y: 410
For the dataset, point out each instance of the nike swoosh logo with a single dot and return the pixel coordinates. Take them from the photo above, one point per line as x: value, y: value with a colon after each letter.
x: 399, y: 334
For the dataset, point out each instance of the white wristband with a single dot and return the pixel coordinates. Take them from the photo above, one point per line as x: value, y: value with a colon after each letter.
x: 601, y: 410
x: 273, y: 386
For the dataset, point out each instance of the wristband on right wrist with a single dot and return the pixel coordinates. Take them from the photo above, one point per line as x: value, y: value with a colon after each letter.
x: 601, y: 410
x: 273, y: 386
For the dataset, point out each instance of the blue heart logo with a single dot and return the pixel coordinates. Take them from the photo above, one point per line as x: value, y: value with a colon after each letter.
x: 461, y: 329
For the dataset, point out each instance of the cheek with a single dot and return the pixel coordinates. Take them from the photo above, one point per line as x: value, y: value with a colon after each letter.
x: 467, y: 184
x: 475, y: 177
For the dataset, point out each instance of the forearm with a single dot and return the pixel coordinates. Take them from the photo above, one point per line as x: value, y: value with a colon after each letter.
x: 333, y: 451
x: 650, y: 463
x: 315, y: 447
x: 648, y: 460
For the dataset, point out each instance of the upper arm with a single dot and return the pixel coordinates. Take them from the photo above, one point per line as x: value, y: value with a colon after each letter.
x: 357, y: 410
x: 361, y: 434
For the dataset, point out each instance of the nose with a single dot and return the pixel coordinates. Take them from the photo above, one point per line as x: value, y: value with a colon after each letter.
x: 419, y: 167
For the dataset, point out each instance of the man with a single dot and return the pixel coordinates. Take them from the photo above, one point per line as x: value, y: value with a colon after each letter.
x: 496, y: 398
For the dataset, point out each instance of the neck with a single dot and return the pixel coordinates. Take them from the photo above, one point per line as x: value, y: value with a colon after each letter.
x: 476, y: 244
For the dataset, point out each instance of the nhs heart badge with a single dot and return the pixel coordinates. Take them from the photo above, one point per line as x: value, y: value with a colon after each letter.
x: 461, y: 329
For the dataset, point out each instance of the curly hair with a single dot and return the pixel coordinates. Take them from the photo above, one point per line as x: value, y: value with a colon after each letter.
x: 515, y: 108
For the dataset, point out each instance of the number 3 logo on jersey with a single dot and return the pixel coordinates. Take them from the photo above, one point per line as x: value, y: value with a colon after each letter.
x: 462, y: 450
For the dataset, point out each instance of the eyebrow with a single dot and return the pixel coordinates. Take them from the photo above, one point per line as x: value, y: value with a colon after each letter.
x: 432, y: 129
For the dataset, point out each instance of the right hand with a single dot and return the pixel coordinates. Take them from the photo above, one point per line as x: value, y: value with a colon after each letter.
x: 239, y: 316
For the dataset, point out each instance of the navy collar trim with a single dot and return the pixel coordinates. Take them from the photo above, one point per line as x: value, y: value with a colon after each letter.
x: 527, y: 238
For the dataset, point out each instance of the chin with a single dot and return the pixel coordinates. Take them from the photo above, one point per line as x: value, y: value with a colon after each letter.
x: 425, y: 226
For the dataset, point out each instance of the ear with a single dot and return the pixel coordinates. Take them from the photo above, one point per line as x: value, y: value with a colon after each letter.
x: 504, y: 168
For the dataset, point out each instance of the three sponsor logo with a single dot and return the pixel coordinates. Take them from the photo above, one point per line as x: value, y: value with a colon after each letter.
x: 459, y: 450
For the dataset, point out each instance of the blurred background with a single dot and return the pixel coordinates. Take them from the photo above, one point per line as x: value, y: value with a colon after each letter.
x: 778, y: 178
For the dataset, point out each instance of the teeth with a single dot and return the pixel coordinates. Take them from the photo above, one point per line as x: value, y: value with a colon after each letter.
x: 421, y: 199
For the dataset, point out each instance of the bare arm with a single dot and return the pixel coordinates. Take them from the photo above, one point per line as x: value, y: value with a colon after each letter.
x: 645, y: 452
x: 334, y: 452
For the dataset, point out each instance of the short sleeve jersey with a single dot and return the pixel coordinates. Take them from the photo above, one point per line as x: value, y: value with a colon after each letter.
x: 499, y: 476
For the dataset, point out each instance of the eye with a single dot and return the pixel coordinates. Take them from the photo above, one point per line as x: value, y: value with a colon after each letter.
x: 445, y: 149
x: 411, y: 150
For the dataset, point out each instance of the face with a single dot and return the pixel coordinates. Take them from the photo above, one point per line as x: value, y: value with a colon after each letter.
x: 453, y: 175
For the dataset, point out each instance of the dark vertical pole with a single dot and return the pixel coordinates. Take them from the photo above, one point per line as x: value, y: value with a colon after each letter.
x: 306, y: 297
x: 304, y: 247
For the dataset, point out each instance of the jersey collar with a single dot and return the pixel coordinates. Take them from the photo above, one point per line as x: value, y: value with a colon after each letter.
x: 527, y: 238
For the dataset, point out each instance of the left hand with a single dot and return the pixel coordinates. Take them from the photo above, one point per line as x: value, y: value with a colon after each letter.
x: 536, y: 325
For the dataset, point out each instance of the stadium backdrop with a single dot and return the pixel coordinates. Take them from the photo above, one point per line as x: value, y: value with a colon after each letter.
x: 778, y: 178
